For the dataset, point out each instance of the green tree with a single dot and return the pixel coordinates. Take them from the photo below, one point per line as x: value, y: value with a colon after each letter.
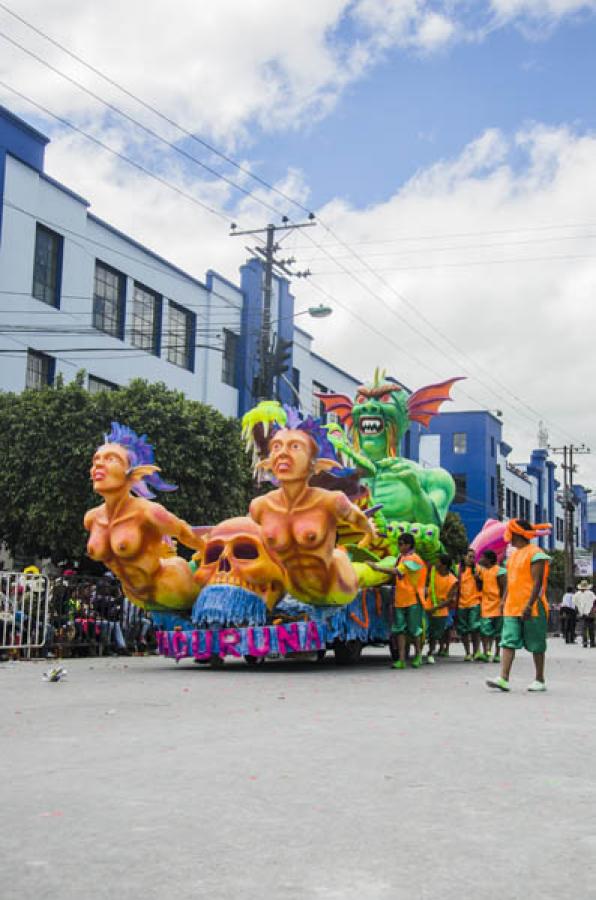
x: 556, y: 575
x: 454, y: 536
x: 47, y: 440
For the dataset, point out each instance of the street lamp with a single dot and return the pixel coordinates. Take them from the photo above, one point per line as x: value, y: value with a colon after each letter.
x: 318, y: 312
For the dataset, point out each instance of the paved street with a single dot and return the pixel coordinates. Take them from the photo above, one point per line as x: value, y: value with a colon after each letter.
x: 137, y: 778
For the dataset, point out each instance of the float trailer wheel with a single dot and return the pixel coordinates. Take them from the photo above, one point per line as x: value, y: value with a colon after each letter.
x: 347, y: 652
x: 254, y: 660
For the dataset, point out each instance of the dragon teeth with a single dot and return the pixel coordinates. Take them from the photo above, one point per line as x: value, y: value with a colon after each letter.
x: 371, y: 425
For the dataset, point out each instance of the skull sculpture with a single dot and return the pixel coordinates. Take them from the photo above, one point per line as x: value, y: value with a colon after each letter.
x: 235, y: 555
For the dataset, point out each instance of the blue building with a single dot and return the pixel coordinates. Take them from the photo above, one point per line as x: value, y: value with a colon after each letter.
x: 489, y: 485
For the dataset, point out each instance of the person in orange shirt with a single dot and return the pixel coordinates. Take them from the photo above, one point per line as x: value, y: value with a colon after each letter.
x: 410, y: 580
x: 441, y: 592
x: 468, y: 609
x: 525, y: 608
x: 491, y: 580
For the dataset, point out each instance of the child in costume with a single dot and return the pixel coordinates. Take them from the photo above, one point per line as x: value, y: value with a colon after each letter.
x: 410, y: 580
x: 525, y: 607
x: 468, y: 611
x: 441, y: 592
x: 491, y: 580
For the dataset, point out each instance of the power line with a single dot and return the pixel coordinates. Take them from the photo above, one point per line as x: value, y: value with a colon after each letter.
x: 164, y: 271
x: 456, y: 234
x: 423, y: 318
x: 146, y: 171
x: 136, y: 122
x: 157, y: 112
x: 116, y: 153
x: 470, y: 263
x: 456, y: 249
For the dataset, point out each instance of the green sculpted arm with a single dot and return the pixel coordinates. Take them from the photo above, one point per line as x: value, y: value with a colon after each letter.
x: 439, y: 486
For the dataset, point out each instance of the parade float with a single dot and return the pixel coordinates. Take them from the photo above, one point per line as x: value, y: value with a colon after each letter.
x: 310, y: 567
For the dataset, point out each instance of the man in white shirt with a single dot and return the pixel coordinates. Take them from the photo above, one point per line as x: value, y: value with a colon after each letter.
x: 568, y: 614
x: 584, y: 599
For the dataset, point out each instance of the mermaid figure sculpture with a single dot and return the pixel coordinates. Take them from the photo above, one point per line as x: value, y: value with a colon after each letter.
x: 132, y: 535
x: 299, y: 522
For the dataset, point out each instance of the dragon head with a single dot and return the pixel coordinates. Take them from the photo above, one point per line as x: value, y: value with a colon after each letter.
x: 380, y: 416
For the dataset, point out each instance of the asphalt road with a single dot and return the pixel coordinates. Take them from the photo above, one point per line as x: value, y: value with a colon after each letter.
x: 139, y: 778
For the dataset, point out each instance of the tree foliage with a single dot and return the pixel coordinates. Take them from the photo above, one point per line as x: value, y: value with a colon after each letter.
x: 556, y: 575
x: 47, y: 440
x: 454, y: 536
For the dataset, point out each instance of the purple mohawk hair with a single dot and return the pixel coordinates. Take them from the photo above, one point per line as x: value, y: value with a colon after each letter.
x: 140, y: 453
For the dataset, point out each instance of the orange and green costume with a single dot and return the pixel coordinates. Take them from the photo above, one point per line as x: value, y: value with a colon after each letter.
x: 468, y: 611
x: 439, y: 588
x: 409, y: 595
x: 491, y: 621
x: 517, y: 631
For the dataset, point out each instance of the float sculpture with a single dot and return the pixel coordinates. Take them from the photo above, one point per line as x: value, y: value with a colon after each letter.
x: 130, y: 534
x: 376, y: 422
x: 303, y: 571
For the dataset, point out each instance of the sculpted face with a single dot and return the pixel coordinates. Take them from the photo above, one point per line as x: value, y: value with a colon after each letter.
x: 235, y: 555
x: 291, y: 453
x: 109, y: 467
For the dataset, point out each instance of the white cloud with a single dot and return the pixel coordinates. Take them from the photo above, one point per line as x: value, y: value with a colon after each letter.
x: 541, y: 9
x: 228, y: 68
x: 497, y: 254
x: 222, y: 67
x: 435, y: 30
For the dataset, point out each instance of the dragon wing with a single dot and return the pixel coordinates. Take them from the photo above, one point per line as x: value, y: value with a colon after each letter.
x: 424, y: 403
x: 340, y: 404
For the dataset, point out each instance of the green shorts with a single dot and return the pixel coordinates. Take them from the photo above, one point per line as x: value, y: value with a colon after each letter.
x: 437, y: 626
x: 491, y: 627
x: 408, y: 620
x: 529, y: 633
x: 468, y: 620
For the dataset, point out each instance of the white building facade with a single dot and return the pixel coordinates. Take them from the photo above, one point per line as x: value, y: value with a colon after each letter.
x: 75, y: 293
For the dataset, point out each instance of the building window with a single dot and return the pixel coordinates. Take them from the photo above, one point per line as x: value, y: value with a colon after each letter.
x: 560, y: 530
x: 514, y: 504
x: 47, y: 266
x: 181, y: 331
x: 460, y: 442
x: 97, y: 385
x: 296, y: 379
x: 508, y: 503
x: 492, y: 446
x: 492, y: 491
x: 108, y: 300
x: 229, y: 359
x: 146, y: 319
x: 40, y: 370
x: 461, y: 488
x: 318, y: 410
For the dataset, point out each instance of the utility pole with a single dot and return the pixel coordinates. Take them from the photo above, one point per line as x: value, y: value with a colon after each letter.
x: 569, y: 467
x: 273, y: 352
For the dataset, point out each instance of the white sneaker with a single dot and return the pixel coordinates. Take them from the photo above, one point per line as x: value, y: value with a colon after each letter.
x: 537, y: 686
x: 430, y: 660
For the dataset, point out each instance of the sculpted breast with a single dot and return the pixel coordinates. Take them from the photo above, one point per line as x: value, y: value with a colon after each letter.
x: 310, y: 529
x: 126, y: 541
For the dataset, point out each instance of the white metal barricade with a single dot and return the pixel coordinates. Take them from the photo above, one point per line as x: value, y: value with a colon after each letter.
x: 24, y: 602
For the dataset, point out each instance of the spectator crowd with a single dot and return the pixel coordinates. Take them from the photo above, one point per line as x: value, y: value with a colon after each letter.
x: 85, y: 616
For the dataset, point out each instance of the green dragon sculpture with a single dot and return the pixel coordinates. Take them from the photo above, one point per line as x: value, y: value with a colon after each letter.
x: 370, y: 438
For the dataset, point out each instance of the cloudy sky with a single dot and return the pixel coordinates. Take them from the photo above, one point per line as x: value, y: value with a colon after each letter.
x: 448, y: 150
